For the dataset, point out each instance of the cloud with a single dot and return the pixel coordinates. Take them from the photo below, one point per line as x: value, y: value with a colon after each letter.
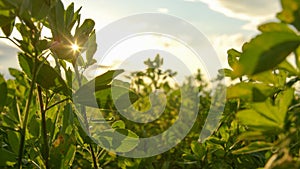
x: 163, y: 10
x: 8, y: 58
x: 254, y: 11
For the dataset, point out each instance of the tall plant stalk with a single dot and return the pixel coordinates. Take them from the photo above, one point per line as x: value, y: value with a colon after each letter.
x: 44, y: 129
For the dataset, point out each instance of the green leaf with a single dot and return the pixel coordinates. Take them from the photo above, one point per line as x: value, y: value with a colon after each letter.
x: 3, y: 92
x: 47, y: 76
x: 7, y: 29
x: 59, y: 16
x: 25, y: 5
x: 254, y: 147
x: 117, y: 140
x: 122, y: 97
x: 297, y: 57
x: 105, y: 78
x: 98, y: 91
x: 265, y: 52
x: 287, y: 66
x: 6, y: 17
x: 68, y: 159
x: 14, y: 141
x: 6, y: 5
x: 40, y: 9
x: 62, y: 151
x: 275, y: 27
x: 34, y: 127
x: 267, y: 77
x: 269, y: 111
x: 68, y: 118
x: 7, y: 158
x: 91, y: 48
x: 250, y: 91
x: 118, y: 125
x: 232, y: 57
x: 100, y: 97
x: 251, y: 135
x: 225, y: 72
x: 283, y: 101
x: 290, y: 13
x: 82, y: 33
x: 267, y: 117
x: 198, y: 149
x: 69, y: 14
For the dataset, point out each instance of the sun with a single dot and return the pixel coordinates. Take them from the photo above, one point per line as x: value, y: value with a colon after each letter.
x: 75, y: 47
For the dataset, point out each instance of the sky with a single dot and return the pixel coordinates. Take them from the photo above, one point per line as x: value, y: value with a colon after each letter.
x: 225, y: 23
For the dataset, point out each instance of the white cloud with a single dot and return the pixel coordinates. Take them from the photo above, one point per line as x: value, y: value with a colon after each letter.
x: 253, y: 11
x: 163, y: 10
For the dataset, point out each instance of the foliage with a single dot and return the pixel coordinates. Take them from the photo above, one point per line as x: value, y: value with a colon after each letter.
x: 46, y: 107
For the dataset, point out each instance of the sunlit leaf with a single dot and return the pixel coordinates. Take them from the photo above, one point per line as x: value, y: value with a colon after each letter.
x: 297, y: 57
x: 283, y: 101
x: 233, y: 56
x: 285, y: 65
x: 118, y: 125
x: 225, y: 72
x: 290, y: 12
x: 91, y: 48
x: 257, y: 121
x: 251, y: 135
x: 267, y: 77
x: 250, y: 91
x: 254, y: 147
x: 198, y: 149
x: 275, y: 27
x: 266, y: 51
x: 82, y: 33
x: 69, y: 15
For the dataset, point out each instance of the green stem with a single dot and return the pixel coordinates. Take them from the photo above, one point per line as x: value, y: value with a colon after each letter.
x: 44, y: 129
x: 83, y: 111
x: 27, y: 108
x: 57, y: 103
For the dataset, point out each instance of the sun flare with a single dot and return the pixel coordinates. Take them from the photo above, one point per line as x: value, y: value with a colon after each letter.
x: 75, y: 47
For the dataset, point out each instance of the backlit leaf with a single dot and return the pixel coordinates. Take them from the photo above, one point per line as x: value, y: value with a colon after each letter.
x: 275, y: 27
x: 254, y: 147
x: 47, y: 76
x: 257, y: 121
x: 250, y: 91
x: 266, y: 51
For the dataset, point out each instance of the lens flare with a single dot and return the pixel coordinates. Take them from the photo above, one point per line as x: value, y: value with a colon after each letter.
x: 75, y: 47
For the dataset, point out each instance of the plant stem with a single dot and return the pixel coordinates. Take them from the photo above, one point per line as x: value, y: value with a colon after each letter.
x: 83, y: 111
x: 61, y: 101
x: 94, y: 157
x: 44, y: 129
x: 27, y: 107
